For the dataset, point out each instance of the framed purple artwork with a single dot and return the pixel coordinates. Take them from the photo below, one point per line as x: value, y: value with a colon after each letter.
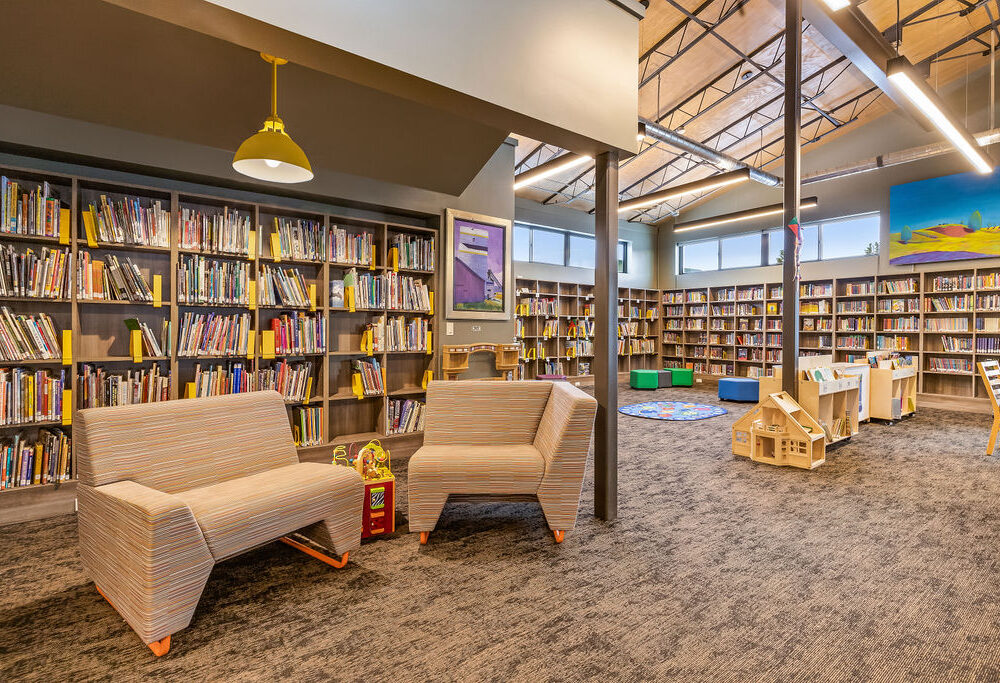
x: 478, y: 266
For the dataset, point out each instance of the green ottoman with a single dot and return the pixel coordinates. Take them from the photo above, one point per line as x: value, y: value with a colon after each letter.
x: 643, y: 379
x: 682, y: 377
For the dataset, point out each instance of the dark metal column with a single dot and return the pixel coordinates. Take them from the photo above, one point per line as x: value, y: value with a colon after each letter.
x: 606, y: 337
x: 793, y: 189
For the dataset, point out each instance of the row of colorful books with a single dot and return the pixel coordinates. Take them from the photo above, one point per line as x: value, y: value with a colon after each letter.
x: 399, y: 334
x: 415, y: 252
x: 356, y: 248
x: 282, y: 286
x: 28, y: 396
x: 128, y: 220
x: 154, y: 343
x: 212, y: 334
x: 368, y: 290
x: 369, y: 372
x: 299, y: 238
x: 29, y: 209
x: 405, y: 416
x: 307, y: 425
x: 299, y: 333
x: 28, y: 336
x: 97, y: 388
x: 203, y: 280
x: 949, y: 303
x: 26, y: 462
x: 405, y: 293
x: 110, y: 279
x: 218, y: 233
x: 45, y: 274
x: 292, y: 380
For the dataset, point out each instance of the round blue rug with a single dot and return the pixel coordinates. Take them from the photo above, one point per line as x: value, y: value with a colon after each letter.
x: 672, y: 410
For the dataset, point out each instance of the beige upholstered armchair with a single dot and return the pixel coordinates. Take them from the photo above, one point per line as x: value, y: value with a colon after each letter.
x: 168, y: 489
x: 486, y: 439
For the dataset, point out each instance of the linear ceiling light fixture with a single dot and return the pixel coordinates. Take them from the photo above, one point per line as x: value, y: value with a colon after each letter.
x: 703, y: 185
x: 772, y: 210
x: 270, y: 154
x: 903, y: 76
x: 550, y: 167
x: 836, y: 5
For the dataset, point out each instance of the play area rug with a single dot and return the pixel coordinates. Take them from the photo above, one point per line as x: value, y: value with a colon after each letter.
x: 672, y: 410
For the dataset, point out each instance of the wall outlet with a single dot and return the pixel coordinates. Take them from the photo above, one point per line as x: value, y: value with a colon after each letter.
x: 449, y: 329
x: 477, y: 328
x: 699, y: 380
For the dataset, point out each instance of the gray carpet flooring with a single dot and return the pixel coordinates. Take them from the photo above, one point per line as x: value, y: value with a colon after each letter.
x: 880, y: 565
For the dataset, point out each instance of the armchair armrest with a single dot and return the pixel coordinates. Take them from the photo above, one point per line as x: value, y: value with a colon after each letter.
x: 563, y: 438
x: 145, y: 551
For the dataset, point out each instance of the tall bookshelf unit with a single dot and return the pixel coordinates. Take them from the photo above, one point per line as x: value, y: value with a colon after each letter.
x: 554, y: 323
x: 945, y: 321
x: 100, y: 339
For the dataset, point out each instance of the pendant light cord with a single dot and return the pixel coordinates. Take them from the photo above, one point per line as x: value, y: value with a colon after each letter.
x: 274, y: 89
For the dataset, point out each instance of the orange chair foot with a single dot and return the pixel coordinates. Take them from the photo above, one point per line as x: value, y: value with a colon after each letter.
x: 559, y: 535
x: 339, y: 564
x: 160, y: 647
x: 424, y: 535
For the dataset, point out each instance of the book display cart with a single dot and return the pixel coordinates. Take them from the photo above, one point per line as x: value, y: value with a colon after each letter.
x: 554, y: 323
x: 831, y: 401
x: 159, y: 295
x: 893, y: 389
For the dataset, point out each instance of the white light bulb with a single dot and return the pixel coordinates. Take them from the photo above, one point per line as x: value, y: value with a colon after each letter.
x: 271, y: 163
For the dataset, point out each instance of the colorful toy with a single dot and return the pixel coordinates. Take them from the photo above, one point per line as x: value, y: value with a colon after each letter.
x: 372, y: 462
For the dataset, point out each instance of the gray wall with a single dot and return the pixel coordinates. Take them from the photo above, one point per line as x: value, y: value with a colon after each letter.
x: 642, y: 268
x: 855, y: 194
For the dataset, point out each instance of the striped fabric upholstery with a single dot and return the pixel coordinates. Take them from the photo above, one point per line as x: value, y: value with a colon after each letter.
x: 144, y: 550
x: 483, y: 412
x: 564, y: 438
x: 167, y: 489
x: 241, y: 513
x: 502, y: 438
x: 177, y: 445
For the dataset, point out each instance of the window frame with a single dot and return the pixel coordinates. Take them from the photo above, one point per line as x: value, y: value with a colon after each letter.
x: 625, y: 245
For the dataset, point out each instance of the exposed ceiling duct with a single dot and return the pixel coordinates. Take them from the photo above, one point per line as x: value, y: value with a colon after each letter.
x: 720, y: 160
x: 905, y: 156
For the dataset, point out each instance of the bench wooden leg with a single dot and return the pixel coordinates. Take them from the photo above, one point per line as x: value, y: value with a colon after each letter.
x: 339, y: 564
x: 159, y: 647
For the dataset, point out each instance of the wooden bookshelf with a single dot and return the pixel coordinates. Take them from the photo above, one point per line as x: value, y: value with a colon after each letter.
x: 100, y: 338
x: 554, y: 325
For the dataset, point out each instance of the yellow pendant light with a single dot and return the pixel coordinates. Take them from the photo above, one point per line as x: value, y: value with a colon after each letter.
x: 270, y: 154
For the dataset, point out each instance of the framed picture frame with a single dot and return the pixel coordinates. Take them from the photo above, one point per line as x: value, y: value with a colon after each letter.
x: 478, y: 272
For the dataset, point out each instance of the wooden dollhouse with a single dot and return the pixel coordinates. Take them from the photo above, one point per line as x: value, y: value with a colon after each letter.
x: 777, y: 431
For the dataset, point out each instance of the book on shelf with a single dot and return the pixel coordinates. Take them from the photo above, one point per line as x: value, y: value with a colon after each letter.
x: 129, y: 220
x: 212, y: 334
x: 30, y: 210
x: 222, y: 379
x: 110, y: 279
x: 405, y: 293
x: 202, y: 280
x: 300, y: 239
x: 405, y: 416
x: 396, y: 333
x: 337, y: 294
x: 153, y: 344
x: 414, y: 252
x: 42, y: 274
x: 31, y: 336
x: 227, y: 232
x: 294, y: 381
x: 369, y: 372
x: 299, y: 333
x: 30, y: 396
x: 282, y: 286
x: 307, y: 425
x: 97, y: 388
x: 27, y: 462
x: 354, y: 248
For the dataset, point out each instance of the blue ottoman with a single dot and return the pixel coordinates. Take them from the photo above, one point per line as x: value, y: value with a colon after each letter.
x: 738, y: 389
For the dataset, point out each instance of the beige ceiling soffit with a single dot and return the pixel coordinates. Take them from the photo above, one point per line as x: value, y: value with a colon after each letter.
x: 636, y: 8
x: 239, y: 29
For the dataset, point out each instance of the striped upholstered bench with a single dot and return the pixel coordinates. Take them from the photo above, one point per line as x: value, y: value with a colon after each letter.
x: 168, y: 489
x: 486, y: 439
